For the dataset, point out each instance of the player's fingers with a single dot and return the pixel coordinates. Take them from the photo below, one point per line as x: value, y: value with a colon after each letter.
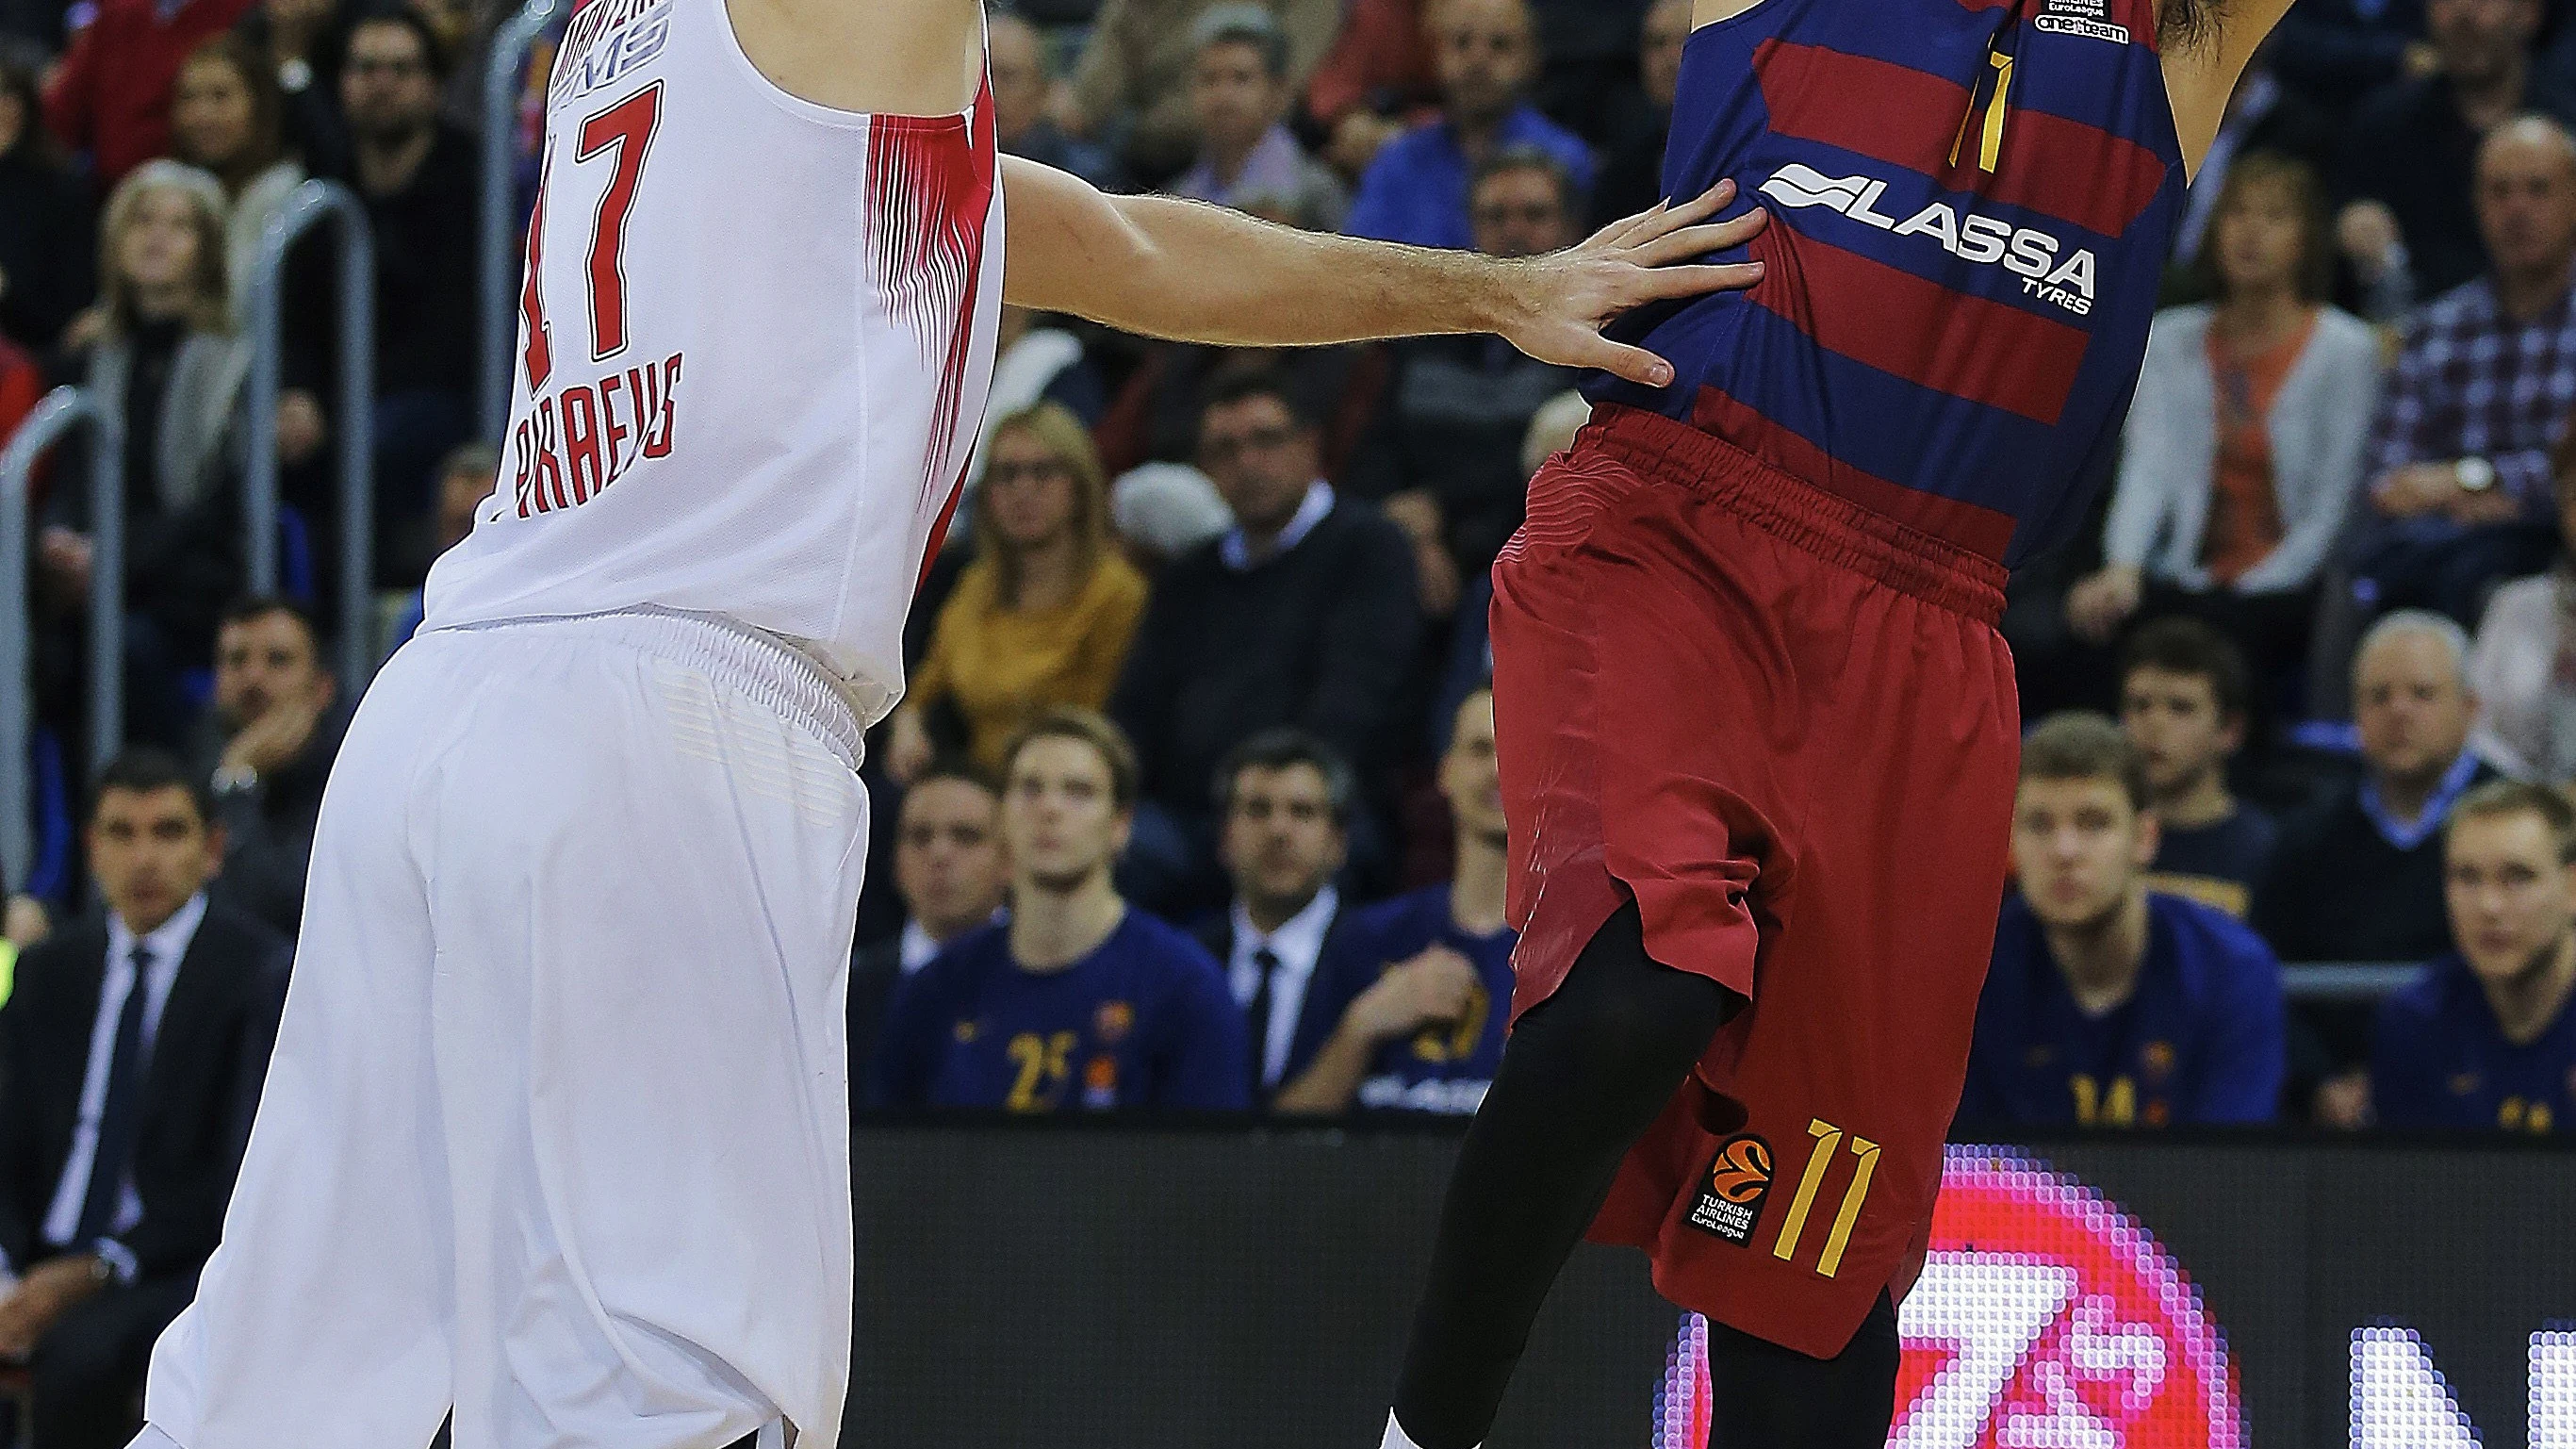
x: 1665, y: 283
x: 1621, y: 232
x: 1682, y: 214
x: 1619, y: 359
x: 1697, y: 241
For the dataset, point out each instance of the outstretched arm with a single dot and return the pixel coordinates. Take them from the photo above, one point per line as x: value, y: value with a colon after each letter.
x: 1186, y: 270
x: 2202, y: 63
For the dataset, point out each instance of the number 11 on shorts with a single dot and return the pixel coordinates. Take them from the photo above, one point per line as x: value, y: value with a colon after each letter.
x: 1820, y: 1157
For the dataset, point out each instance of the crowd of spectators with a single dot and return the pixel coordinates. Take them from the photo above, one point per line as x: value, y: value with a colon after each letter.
x: 1192, y: 801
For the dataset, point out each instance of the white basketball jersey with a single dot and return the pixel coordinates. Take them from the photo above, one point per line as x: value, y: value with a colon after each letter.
x: 755, y: 336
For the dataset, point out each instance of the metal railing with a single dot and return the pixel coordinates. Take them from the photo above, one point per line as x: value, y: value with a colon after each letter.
x: 500, y: 210
x: 2347, y: 980
x: 306, y: 207
x: 63, y: 409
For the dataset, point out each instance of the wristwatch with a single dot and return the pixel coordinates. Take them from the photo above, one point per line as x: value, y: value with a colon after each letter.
x: 2474, y: 475
x: 234, y: 779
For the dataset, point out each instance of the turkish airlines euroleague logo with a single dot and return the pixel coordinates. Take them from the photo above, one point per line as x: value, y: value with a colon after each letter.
x: 1731, y: 1191
x: 2044, y: 1316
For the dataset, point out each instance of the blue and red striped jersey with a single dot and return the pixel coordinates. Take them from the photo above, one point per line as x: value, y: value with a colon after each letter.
x: 1971, y: 202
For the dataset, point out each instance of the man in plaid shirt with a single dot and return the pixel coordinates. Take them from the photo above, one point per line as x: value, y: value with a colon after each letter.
x: 2486, y: 373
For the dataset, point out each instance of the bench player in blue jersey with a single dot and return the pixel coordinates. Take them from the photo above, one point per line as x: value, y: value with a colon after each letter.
x: 2485, y: 1040
x: 1757, y: 731
x: 2110, y: 1005
x: 1078, y: 1002
x: 1416, y: 988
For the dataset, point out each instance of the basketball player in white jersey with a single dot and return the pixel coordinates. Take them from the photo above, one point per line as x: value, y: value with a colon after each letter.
x: 556, y: 1133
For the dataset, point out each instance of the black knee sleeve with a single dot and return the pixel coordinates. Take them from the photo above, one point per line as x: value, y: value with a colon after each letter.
x: 1584, y: 1075
x: 1769, y: 1397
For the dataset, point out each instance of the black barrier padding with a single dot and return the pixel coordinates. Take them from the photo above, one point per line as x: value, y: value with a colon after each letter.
x: 1203, y: 1290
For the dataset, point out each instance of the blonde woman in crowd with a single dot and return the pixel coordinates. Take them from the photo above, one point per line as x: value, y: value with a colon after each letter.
x: 1044, y: 614
x: 165, y: 360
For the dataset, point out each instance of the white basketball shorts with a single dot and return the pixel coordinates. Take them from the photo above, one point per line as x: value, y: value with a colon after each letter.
x: 557, y: 1130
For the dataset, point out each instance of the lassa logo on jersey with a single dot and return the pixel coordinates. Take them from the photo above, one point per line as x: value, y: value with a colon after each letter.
x: 2034, y: 256
x: 577, y: 441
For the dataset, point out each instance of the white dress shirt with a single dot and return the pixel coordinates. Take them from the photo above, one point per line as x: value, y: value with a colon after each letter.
x: 163, y: 949
x: 917, y: 947
x: 1297, y: 943
x: 1235, y: 550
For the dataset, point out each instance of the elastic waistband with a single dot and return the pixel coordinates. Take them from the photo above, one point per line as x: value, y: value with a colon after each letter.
x: 759, y: 665
x: 1833, y: 528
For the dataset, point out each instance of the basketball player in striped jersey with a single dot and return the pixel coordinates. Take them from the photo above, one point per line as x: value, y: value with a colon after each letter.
x: 555, y: 1138
x: 1757, y: 732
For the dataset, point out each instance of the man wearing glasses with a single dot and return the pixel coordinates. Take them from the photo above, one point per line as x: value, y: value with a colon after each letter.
x: 1303, y: 614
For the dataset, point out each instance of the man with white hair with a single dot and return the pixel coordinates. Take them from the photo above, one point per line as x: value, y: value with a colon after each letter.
x: 2358, y: 875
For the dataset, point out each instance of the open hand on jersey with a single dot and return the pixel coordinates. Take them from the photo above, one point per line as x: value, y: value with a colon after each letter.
x: 1567, y: 297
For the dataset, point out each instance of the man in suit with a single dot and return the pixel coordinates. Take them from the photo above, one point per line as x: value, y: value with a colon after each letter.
x: 131, y: 1056
x: 1284, y: 801
x: 948, y: 867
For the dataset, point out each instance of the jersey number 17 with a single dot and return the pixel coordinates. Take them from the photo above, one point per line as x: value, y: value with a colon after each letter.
x: 623, y: 132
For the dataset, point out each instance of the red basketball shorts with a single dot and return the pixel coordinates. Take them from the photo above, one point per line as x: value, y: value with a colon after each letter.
x: 1786, y: 727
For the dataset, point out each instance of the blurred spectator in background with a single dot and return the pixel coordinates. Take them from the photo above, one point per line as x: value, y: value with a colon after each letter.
x: 1043, y: 615
x: 2412, y: 147
x: 2357, y: 876
x: 2182, y: 705
x: 167, y: 364
x: 2108, y: 1005
x: 2244, y: 447
x: 1023, y: 82
x: 45, y: 242
x: 1164, y: 510
x: 265, y: 751
x: 1444, y: 457
x: 1417, y: 189
x: 110, y: 94
x: 2459, y: 455
x: 1131, y: 88
x: 225, y: 121
x: 1378, y: 71
x: 2485, y: 1040
x: 2523, y: 667
x: 466, y: 476
x: 1079, y: 1002
x: 2335, y: 51
x: 2263, y: 116
x: 948, y: 868
x: 22, y: 386
x: 303, y: 42
x: 1036, y: 363
x: 131, y: 1056
x: 1284, y: 802
x: 1302, y: 614
x: 1419, y: 989
x: 1632, y: 172
x: 419, y: 181
x: 1155, y: 417
x: 1239, y: 95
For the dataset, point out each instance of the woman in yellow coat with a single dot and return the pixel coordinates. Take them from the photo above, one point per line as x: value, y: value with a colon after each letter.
x: 1044, y: 614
